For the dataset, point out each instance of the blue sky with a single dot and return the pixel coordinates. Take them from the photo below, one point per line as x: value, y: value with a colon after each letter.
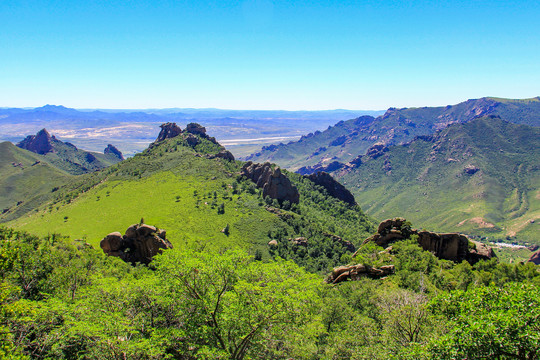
x: 262, y: 54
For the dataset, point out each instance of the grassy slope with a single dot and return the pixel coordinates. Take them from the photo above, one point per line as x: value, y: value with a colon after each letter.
x: 428, y: 186
x: 31, y: 183
x: 171, y: 187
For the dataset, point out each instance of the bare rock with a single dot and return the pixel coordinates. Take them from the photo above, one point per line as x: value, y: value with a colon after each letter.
x: 272, y: 181
x: 357, y: 272
x: 196, y: 129
x: 41, y: 143
x: 535, y: 258
x: 273, y: 243
x: 168, y: 130
x: 470, y: 169
x: 449, y: 246
x: 112, y: 150
x: 139, y: 244
x: 223, y: 154
x: 333, y: 187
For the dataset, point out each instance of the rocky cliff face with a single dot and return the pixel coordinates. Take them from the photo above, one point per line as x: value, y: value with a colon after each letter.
x: 41, y: 143
x: 112, y: 150
x: 450, y: 246
x: 333, y: 187
x: 272, y: 181
x: 140, y: 243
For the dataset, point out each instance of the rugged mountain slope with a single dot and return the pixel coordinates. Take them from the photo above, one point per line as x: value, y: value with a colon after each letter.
x: 26, y: 180
x: 189, y: 185
x: 348, y: 139
x: 482, y: 177
x: 66, y: 156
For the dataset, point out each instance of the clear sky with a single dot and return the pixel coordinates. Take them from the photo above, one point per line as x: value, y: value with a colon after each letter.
x: 263, y: 54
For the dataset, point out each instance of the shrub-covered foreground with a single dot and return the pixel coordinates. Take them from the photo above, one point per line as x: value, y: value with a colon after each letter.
x: 64, y: 300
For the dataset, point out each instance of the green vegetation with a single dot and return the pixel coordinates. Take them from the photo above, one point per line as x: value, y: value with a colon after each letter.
x: 348, y: 139
x: 26, y: 180
x: 479, y: 178
x: 64, y: 300
x: 176, y: 187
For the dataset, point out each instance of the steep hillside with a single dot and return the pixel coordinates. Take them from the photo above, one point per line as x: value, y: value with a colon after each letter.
x: 348, y: 139
x: 481, y: 177
x: 189, y: 185
x: 66, y: 156
x: 26, y: 180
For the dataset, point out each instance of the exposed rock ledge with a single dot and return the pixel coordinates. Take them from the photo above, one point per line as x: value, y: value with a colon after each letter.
x: 272, y: 181
x: 356, y: 272
x: 448, y: 246
x: 140, y: 243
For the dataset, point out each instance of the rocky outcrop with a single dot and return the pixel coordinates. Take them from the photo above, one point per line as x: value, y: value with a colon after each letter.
x: 334, y: 188
x: 332, y: 166
x: 470, y: 169
x: 223, y: 154
x: 41, y: 143
x: 357, y: 272
x: 168, y: 130
x: 140, y: 243
x: 196, y: 129
x: 448, y: 246
x: 535, y: 258
x: 272, y: 182
x: 112, y: 150
x: 376, y: 151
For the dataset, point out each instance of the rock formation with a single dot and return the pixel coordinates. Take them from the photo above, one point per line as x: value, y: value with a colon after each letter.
x: 41, y: 143
x: 356, y: 272
x: 223, y: 154
x: 451, y: 246
x: 334, y: 188
x: 168, y: 130
x: 332, y: 166
x: 110, y: 149
x: 535, y: 258
x: 376, y: 150
x: 196, y: 129
x: 272, y: 181
x: 140, y: 243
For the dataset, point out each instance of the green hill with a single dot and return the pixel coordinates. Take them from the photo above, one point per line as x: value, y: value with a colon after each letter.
x: 26, y: 180
x: 348, y: 139
x: 180, y: 187
x: 68, y: 157
x: 481, y: 178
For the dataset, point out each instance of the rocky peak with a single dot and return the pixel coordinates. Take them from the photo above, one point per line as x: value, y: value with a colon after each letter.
x: 272, y: 181
x: 168, y: 130
x: 333, y: 187
x: 196, y: 129
x: 111, y: 149
x: 376, y: 150
x: 41, y: 143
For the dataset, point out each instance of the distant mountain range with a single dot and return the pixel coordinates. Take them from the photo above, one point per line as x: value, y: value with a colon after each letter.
x: 348, y: 139
x: 132, y: 130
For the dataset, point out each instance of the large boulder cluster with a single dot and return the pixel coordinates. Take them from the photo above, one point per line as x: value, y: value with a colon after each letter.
x: 448, y: 246
x: 139, y: 244
x: 273, y: 182
x: 357, y: 272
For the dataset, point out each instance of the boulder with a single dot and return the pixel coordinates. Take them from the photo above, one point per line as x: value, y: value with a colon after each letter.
x: 223, y: 154
x: 139, y: 244
x: 376, y: 151
x: 196, y: 129
x: 357, y: 272
x: 449, y: 246
x: 168, y: 130
x: 272, y: 181
x: 334, y: 188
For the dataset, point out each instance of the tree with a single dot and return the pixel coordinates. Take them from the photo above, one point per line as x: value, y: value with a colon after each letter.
x: 490, y: 323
